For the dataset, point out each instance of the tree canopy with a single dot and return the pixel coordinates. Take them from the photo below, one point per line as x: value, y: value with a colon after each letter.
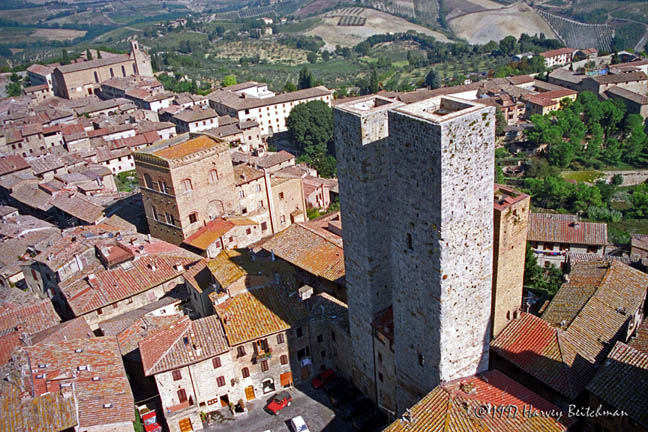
x: 310, y: 126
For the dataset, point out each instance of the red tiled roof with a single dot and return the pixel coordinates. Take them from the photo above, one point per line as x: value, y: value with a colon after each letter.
x: 209, y: 233
x: 557, y: 52
x: 21, y: 309
x: 9, y: 164
x: 451, y: 407
x: 78, y: 361
x: 622, y: 381
x: 182, y: 343
x: 110, y: 286
x: 308, y: 250
x: 506, y: 196
x: 258, y: 313
x: 560, y: 228
x: 640, y: 340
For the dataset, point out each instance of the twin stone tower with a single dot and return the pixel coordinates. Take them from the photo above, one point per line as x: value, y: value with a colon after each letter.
x: 416, y: 192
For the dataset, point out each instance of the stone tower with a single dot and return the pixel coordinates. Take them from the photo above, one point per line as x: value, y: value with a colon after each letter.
x: 436, y: 197
x: 142, y: 60
x: 362, y: 148
x: 511, y: 219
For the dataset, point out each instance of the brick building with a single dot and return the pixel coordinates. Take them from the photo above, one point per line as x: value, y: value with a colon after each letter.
x: 439, y: 148
x: 77, y: 80
x: 511, y: 218
x: 190, y: 180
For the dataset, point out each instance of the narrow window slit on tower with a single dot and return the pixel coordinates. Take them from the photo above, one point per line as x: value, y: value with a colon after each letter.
x: 409, y: 241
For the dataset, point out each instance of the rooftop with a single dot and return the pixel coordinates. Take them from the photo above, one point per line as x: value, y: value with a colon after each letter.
x: 562, y: 228
x: 184, y: 145
x: 208, y: 234
x: 232, y: 100
x: 440, y: 109
x: 451, y: 407
x: 106, y: 61
x: 506, y: 196
x: 622, y: 380
x: 258, y: 313
x: 182, y: 343
x: 557, y: 52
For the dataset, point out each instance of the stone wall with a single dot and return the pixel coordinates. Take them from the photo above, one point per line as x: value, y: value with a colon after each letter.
x: 362, y: 149
x: 442, y: 157
x: 509, y: 252
x: 630, y: 178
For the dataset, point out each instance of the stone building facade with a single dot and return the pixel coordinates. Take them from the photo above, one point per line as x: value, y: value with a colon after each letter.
x: 434, y: 161
x: 77, y: 80
x: 185, y: 181
x: 189, y: 180
x: 510, y: 224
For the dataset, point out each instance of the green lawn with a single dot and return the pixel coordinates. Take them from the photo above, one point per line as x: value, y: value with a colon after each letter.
x: 588, y: 176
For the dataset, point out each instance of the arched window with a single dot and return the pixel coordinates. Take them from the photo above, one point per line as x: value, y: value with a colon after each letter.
x: 155, y: 213
x: 112, y: 73
x: 123, y: 71
x: 134, y: 69
x: 162, y: 186
x: 148, y: 182
x: 186, y: 185
x: 213, y: 176
x: 96, y: 77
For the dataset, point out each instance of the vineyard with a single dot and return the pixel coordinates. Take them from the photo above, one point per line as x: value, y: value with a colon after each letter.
x: 578, y: 35
x: 352, y: 20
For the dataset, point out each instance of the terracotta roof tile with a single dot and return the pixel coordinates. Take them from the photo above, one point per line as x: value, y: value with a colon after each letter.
x: 308, y: 250
x: 561, y: 228
x: 622, y: 381
x: 640, y: 340
x: 258, y: 313
x: 182, y: 343
x: 209, y: 233
x: 33, y: 314
x: 193, y: 145
x: 451, y: 407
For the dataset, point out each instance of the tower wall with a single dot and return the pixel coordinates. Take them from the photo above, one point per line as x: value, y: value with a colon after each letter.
x: 362, y: 149
x: 442, y: 159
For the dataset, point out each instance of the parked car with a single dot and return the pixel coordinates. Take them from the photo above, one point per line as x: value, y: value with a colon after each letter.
x: 324, y: 377
x: 279, y: 402
x: 347, y: 396
x: 356, y: 408
x: 336, y: 384
x: 298, y: 424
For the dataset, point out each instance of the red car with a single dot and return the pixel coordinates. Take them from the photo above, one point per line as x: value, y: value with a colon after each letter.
x: 279, y: 402
x: 324, y: 377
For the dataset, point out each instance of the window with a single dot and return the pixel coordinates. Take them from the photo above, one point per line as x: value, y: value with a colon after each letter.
x: 244, y: 210
x: 409, y: 241
x: 260, y: 205
x: 281, y: 195
x: 186, y: 185
x: 379, y: 357
x: 547, y: 246
x: 320, y: 338
x: 148, y: 182
x: 333, y: 335
x: 283, y: 218
x: 323, y: 354
x: 264, y: 226
x: 220, y: 381
x: 245, y: 372
x: 182, y: 395
x: 213, y: 176
x: 264, y: 365
x: 421, y: 359
x: 240, y: 351
x: 99, y: 311
x: 283, y: 359
x: 193, y: 217
x: 231, y: 240
x: 380, y: 377
x: 123, y: 70
x: 169, y: 218
x: 112, y: 73
x: 299, y: 332
x: 162, y: 186
x: 280, y: 339
x: 241, y: 194
x: 96, y: 77
x: 258, y: 188
x: 592, y: 249
x: 134, y: 69
x: 177, y: 375
x: 155, y: 213
x: 216, y: 362
x: 248, y: 231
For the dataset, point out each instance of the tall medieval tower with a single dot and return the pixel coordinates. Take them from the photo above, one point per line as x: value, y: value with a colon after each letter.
x: 142, y: 60
x: 432, y: 238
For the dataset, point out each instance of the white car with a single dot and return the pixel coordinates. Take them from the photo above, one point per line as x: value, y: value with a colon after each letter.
x: 298, y: 424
